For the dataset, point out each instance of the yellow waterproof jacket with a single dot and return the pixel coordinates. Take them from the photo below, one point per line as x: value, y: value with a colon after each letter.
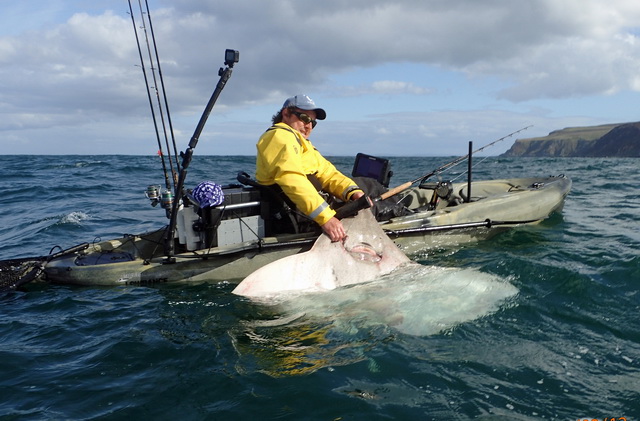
x: 285, y: 157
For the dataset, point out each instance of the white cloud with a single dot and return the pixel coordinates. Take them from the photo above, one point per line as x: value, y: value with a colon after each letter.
x: 290, y: 43
x: 397, y: 87
x: 382, y: 87
x: 81, y: 72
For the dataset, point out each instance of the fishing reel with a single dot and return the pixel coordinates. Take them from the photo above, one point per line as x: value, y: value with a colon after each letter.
x: 156, y: 195
x: 153, y: 194
x: 441, y: 189
x: 444, y: 189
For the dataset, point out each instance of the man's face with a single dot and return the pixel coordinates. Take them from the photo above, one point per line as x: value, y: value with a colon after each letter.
x: 301, y: 120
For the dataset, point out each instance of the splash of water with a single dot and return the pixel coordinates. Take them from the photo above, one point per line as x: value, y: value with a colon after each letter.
x: 304, y: 332
x: 416, y: 300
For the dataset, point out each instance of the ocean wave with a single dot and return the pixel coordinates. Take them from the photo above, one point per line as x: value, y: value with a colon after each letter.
x: 57, y: 222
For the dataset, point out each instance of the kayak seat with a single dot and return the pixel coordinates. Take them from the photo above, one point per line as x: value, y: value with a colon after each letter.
x: 281, y: 216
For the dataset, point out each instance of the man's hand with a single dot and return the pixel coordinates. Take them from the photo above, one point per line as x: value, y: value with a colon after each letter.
x: 334, y: 230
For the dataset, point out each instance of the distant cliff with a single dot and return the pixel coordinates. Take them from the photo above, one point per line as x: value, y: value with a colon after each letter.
x: 613, y: 140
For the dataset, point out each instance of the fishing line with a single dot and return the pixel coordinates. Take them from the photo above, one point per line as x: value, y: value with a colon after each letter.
x: 486, y: 157
x: 444, y: 167
x: 466, y: 171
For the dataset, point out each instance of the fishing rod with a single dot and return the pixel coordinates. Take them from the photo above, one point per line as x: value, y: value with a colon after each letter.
x: 146, y: 82
x: 231, y: 57
x: 164, y: 91
x: 444, y: 167
x: 155, y: 85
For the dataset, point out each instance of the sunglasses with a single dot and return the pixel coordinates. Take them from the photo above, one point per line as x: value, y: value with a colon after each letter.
x: 305, y: 118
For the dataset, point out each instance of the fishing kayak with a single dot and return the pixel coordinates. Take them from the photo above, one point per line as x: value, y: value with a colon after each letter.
x: 226, y: 241
x: 438, y: 215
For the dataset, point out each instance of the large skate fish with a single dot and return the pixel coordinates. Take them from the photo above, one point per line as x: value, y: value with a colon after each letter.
x: 366, y: 254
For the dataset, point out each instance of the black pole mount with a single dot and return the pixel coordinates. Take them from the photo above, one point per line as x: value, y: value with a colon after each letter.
x: 231, y: 57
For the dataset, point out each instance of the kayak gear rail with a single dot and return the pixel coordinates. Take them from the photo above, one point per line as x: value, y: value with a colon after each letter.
x: 487, y: 223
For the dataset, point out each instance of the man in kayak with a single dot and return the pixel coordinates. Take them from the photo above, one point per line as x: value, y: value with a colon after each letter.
x: 287, y: 158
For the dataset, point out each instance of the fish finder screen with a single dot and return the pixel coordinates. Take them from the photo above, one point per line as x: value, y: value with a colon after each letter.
x: 370, y: 166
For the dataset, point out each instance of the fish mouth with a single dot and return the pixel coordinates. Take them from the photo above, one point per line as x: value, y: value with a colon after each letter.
x: 364, y: 252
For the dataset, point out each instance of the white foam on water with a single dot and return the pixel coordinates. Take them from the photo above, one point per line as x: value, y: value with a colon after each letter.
x: 74, y: 218
x: 416, y: 300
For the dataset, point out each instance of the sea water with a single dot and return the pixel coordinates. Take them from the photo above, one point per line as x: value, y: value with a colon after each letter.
x: 537, y: 323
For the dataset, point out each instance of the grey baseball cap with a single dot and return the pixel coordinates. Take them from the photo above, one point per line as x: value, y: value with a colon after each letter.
x: 303, y: 102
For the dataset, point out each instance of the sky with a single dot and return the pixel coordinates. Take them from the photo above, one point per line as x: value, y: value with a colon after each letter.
x: 396, y: 78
